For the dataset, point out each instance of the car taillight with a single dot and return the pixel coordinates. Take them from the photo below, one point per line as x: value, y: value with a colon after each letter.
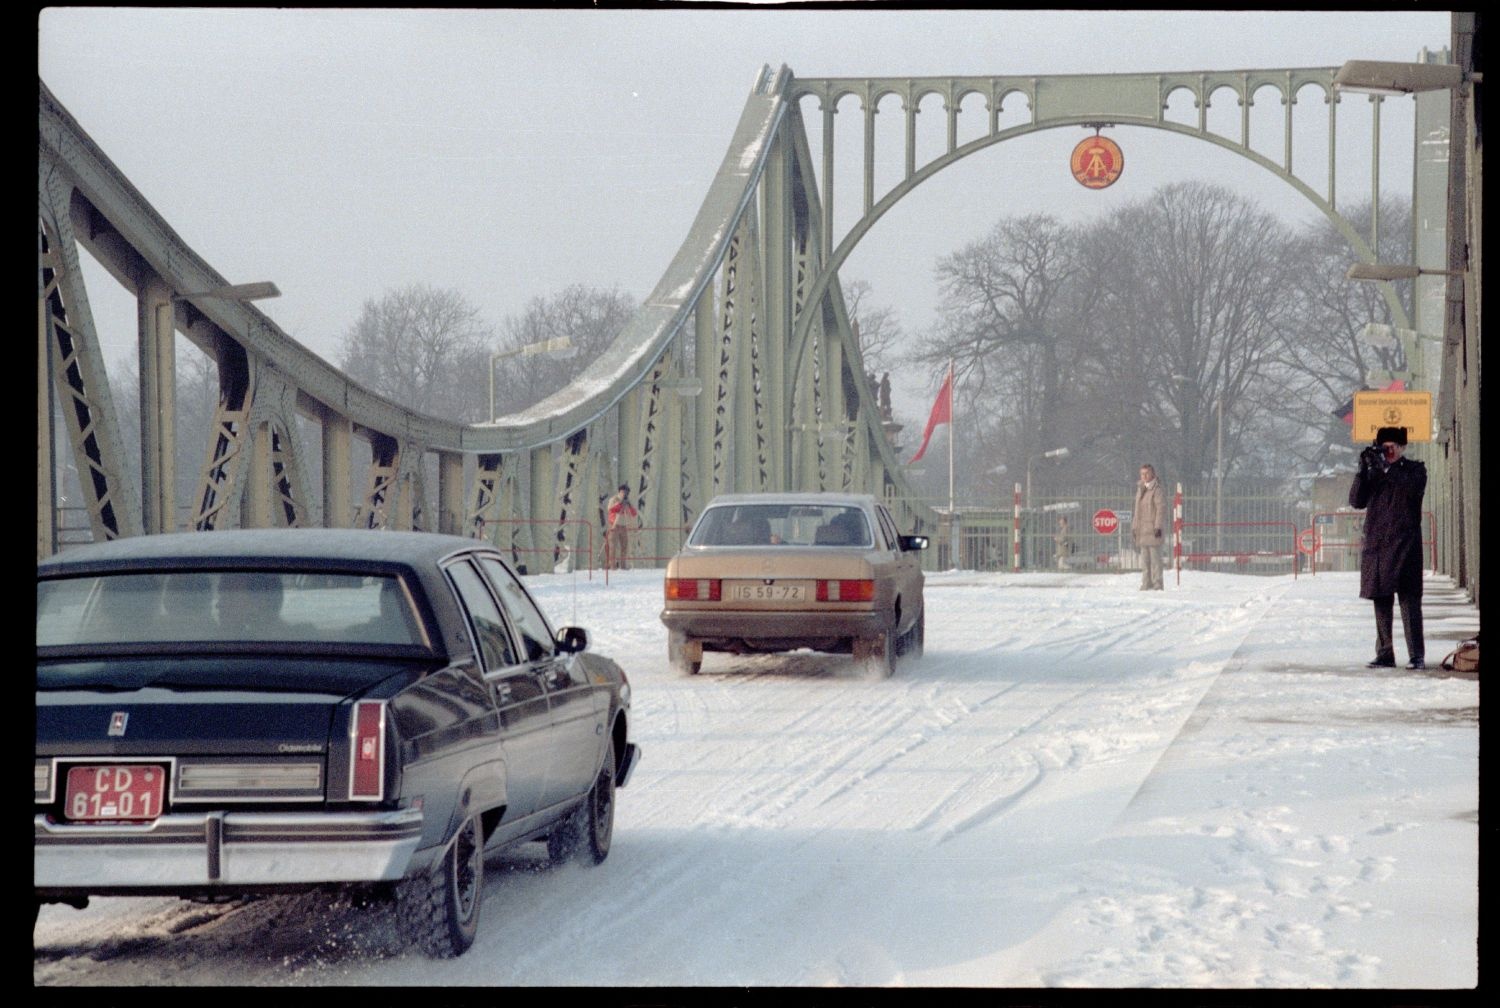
x: 846, y: 591
x: 694, y: 589
x: 367, y: 751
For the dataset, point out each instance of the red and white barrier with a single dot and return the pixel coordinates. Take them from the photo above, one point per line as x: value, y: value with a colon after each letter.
x: 1015, y: 533
x: 1177, y: 532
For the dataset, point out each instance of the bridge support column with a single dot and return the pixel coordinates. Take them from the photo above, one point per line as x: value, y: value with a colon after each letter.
x: 338, y: 472
x: 158, y: 398
x: 541, y: 496
x: 484, y: 499
x: 46, y: 444
x: 79, y: 373
x: 706, y: 407
x: 450, y: 515
x: 776, y: 330
x: 255, y: 507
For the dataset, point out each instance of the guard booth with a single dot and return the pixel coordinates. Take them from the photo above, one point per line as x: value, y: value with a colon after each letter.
x: 971, y: 538
x: 1097, y: 535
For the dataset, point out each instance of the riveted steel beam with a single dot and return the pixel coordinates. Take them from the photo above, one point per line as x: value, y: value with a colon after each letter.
x: 748, y: 314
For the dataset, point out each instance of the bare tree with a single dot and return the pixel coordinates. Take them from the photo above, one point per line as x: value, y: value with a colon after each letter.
x: 1323, y: 361
x: 424, y: 347
x: 1191, y: 309
x: 590, y: 317
x: 877, y: 328
x: 1003, y: 323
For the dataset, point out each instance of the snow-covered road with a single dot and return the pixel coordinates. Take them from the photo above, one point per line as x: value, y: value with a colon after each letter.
x: 1080, y: 784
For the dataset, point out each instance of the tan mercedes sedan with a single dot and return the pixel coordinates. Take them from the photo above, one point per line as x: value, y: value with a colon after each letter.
x: 773, y: 572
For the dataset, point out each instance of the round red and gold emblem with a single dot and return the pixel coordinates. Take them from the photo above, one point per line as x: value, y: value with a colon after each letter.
x: 1097, y: 162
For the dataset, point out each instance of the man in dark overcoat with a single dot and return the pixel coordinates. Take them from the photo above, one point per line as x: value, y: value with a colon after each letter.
x: 1389, y: 487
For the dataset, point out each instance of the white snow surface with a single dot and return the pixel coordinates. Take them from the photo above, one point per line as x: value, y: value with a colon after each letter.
x: 1079, y: 785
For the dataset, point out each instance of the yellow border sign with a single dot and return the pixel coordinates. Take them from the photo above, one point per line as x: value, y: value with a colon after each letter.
x: 1097, y: 162
x: 1374, y: 410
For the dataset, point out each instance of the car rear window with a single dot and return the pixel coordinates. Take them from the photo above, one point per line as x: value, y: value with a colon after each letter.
x: 224, y: 606
x: 781, y: 524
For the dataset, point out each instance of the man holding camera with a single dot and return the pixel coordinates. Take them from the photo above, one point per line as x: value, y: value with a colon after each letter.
x: 1389, y: 487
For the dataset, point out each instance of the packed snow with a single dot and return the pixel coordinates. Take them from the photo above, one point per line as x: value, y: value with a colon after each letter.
x: 1079, y: 785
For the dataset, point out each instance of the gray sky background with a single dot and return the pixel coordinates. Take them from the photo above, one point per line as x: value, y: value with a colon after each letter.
x: 508, y: 153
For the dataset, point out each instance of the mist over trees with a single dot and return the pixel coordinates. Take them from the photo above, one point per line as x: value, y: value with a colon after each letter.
x: 1121, y: 339
x: 876, y: 327
x: 422, y: 347
x: 1126, y: 339
x: 591, y: 318
x: 429, y: 349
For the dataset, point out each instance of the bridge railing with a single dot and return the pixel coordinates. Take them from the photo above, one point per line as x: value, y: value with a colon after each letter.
x: 554, y: 556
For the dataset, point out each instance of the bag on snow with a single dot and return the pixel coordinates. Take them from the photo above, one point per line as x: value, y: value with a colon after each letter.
x: 1466, y: 658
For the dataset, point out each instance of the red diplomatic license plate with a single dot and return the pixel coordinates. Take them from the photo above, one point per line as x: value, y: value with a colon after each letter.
x: 120, y: 791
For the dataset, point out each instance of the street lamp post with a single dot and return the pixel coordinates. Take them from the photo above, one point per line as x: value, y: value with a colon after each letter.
x: 1052, y: 453
x: 1219, y: 478
x: 1459, y: 404
x: 558, y: 346
x: 1386, y: 337
x: 257, y: 291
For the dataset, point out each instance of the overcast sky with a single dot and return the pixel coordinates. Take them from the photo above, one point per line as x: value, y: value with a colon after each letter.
x: 509, y: 153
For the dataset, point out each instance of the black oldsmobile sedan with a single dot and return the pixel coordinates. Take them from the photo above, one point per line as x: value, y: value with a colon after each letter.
x: 245, y: 712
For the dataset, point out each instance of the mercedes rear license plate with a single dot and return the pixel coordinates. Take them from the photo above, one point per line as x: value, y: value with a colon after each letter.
x: 131, y: 791
x: 770, y: 591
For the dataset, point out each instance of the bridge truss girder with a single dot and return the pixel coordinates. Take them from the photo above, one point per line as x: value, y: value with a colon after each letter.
x: 740, y: 371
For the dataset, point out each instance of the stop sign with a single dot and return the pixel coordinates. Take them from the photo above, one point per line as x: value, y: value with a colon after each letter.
x: 1105, y: 522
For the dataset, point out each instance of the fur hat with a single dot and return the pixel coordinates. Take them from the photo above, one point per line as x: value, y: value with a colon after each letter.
x: 1396, y: 434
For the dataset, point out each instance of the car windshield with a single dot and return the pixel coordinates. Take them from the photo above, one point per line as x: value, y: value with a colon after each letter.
x: 225, y: 606
x: 781, y: 524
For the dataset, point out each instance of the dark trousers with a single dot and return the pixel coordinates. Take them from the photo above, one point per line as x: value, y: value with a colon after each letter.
x: 1411, y: 622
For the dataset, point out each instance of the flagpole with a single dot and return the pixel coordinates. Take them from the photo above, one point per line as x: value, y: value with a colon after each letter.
x: 950, y: 435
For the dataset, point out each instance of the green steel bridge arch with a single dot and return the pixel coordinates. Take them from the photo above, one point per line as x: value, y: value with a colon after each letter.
x: 739, y: 372
x: 1093, y: 100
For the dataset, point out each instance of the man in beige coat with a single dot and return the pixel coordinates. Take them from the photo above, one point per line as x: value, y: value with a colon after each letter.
x: 1148, y: 524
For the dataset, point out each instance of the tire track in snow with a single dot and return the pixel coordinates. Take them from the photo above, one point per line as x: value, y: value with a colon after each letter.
x: 849, y: 763
x: 1033, y: 769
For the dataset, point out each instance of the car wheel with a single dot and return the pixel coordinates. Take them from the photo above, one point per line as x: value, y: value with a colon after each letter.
x: 565, y: 838
x: 441, y: 908
x: 877, y: 655
x: 679, y: 652
x: 599, y: 810
x: 916, y: 637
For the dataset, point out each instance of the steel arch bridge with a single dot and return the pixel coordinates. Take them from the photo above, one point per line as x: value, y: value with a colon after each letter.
x: 740, y: 372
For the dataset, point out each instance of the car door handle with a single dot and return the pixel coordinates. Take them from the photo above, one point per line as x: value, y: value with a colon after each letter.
x: 502, y: 692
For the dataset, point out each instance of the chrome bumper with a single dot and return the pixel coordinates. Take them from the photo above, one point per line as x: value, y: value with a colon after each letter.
x: 233, y: 848
x: 771, y: 624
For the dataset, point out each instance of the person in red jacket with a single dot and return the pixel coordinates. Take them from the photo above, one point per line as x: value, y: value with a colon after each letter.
x: 619, y: 519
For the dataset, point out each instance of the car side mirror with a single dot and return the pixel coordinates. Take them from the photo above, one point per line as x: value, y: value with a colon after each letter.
x: 572, y: 639
x: 913, y: 542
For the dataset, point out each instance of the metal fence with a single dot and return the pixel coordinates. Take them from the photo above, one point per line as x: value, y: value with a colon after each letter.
x: 1088, y: 529
x: 1069, y: 530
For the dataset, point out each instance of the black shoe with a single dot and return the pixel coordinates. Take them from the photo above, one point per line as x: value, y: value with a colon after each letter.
x: 1416, y: 663
x: 1381, y: 663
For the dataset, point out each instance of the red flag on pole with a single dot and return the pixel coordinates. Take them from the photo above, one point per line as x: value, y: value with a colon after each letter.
x: 942, y: 412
